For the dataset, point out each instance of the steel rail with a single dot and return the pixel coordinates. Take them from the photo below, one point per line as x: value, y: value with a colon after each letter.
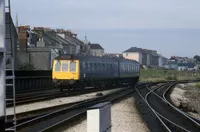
x: 181, y: 112
x: 152, y: 91
x: 77, y: 108
x: 166, y: 127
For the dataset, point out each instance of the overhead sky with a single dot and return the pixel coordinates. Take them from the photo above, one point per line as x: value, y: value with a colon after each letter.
x: 170, y: 26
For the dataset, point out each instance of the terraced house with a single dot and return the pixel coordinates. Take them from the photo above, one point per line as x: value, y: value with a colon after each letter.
x: 147, y: 58
x: 40, y: 46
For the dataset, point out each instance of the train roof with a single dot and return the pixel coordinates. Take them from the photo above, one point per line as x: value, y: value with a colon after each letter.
x: 88, y: 57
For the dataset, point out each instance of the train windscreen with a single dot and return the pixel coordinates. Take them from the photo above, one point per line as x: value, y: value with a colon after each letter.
x: 73, y: 66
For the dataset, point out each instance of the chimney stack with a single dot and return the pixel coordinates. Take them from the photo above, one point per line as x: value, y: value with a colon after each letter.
x: 23, y: 36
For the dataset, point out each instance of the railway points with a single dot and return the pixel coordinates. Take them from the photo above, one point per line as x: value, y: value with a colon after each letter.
x: 170, y: 118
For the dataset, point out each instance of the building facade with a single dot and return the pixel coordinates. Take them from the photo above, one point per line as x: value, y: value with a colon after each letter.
x: 96, y: 50
x: 148, y: 58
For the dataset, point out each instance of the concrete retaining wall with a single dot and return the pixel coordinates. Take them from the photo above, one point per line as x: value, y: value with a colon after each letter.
x: 40, y: 58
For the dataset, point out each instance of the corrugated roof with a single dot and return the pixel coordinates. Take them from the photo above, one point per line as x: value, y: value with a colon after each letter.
x: 95, y: 46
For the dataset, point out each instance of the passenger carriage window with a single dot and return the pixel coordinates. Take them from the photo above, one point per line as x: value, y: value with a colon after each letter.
x: 72, y: 66
x: 86, y: 66
x: 93, y: 66
x: 83, y: 64
x: 99, y: 67
x: 57, y: 66
x: 65, y: 66
x: 131, y: 67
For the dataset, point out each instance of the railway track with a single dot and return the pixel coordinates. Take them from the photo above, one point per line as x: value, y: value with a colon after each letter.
x: 37, y: 96
x: 29, y: 115
x: 23, y: 99
x: 24, y: 116
x: 51, y: 119
x: 171, y: 118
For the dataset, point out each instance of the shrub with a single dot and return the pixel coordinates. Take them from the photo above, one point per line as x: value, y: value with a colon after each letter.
x: 197, y: 85
x: 171, y: 78
x: 26, y: 66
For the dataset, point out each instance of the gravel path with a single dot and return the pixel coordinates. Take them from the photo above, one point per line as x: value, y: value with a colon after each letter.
x: 57, y: 101
x: 125, y: 118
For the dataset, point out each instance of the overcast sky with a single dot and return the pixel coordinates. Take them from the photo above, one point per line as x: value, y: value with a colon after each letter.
x: 120, y: 24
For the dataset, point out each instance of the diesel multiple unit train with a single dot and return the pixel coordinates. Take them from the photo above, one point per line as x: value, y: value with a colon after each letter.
x: 79, y: 72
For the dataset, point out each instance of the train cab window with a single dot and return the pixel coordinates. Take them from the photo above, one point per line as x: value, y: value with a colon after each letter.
x: 57, y: 66
x: 72, y: 66
x: 65, y: 66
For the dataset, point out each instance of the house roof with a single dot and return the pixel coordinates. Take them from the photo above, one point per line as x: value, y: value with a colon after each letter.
x: 51, y: 39
x: 144, y: 51
x: 95, y: 46
x: 134, y: 49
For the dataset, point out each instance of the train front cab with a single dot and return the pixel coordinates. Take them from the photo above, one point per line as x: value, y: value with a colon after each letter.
x: 65, y: 72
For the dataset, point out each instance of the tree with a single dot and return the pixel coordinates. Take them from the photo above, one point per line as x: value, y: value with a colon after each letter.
x: 197, y: 58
